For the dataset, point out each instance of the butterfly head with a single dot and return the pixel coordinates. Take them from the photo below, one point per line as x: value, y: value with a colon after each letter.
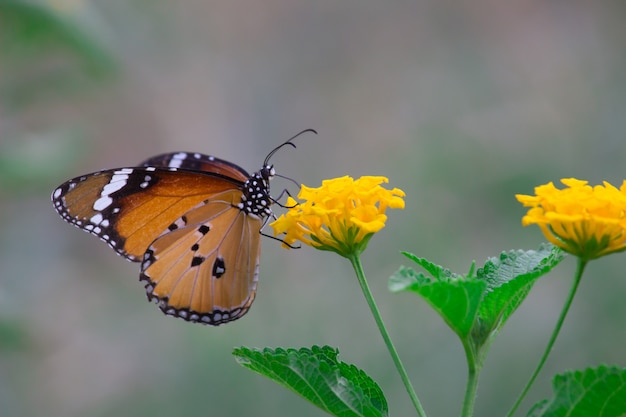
x: 256, y: 200
x: 267, y: 173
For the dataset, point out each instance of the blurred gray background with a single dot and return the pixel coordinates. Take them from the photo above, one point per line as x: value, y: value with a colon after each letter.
x: 462, y: 104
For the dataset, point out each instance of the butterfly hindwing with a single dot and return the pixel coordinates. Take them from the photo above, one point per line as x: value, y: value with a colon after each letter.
x: 198, y: 162
x: 130, y: 207
x: 205, y: 268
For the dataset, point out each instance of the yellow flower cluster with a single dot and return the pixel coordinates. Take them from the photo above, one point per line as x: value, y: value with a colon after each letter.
x: 585, y: 221
x: 340, y: 216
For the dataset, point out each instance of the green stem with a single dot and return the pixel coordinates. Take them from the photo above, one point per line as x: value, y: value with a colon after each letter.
x: 358, y: 268
x: 579, y: 273
x: 470, y: 392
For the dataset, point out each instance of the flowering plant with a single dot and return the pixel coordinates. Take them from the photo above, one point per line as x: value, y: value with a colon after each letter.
x: 342, y: 216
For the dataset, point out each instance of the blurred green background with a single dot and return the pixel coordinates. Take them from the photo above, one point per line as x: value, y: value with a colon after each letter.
x: 461, y: 104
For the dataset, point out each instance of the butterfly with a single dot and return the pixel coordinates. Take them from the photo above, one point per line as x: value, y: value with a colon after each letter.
x: 194, y: 223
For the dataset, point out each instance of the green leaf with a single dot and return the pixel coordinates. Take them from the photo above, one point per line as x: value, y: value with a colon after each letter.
x: 510, y: 278
x: 456, y: 300
x: 477, y: 305
x: 589, y: 393
x: 438, y: 272
x: 338, y: 388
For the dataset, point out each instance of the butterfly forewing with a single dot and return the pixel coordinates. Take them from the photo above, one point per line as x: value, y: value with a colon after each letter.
x: 206, y: 269
x: 130, y: 207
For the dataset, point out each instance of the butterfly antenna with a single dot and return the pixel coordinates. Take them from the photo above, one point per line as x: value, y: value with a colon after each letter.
x: 288, y: 179
x: 287, y: 142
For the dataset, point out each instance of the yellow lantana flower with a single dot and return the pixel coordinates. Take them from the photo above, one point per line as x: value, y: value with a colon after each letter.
x: 585, y: 221
x: 340, y: 216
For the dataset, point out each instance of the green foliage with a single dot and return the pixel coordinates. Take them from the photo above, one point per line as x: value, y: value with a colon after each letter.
x: 509, y: 279
x: 592, y: 392
x: 13, y: 336
x: 477, y: 305
x: 44, y: 51
x: 457, y: 300
x: 316, y: 374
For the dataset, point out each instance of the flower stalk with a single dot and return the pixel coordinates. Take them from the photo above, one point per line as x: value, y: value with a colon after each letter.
x: 580, y: 268
x: 360, y: 274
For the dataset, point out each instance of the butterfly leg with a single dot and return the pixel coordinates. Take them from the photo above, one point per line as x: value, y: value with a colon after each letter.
x: 267, y: 219
x: 281, y: 195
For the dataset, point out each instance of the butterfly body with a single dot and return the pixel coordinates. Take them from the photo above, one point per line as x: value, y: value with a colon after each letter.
x: 193, y: 221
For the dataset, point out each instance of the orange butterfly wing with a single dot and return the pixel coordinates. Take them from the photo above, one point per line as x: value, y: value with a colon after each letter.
x: 206, y: 270
x: 130, y: 207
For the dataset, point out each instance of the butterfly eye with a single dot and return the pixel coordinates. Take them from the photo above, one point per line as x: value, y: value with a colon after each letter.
x: 267, y: 173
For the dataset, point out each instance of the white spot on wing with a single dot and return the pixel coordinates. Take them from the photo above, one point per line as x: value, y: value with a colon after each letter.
x: 117, y: 182
x: 96, y: 218
x: 102, y: 203
x: 177, y: 160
